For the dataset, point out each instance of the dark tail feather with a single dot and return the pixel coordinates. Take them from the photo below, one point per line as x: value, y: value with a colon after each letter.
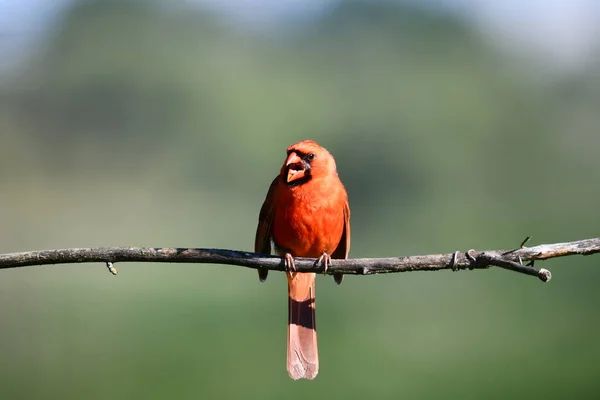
x: 262, y: 274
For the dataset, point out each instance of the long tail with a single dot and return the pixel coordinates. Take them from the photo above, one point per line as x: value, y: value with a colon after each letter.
x: 302, y: 354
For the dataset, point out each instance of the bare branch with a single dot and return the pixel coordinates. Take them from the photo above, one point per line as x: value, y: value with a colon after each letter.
x: 511, y: 259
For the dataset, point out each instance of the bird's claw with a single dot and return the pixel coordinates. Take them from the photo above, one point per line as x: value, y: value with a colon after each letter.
x: 290, y: 266
x: 325, y: 259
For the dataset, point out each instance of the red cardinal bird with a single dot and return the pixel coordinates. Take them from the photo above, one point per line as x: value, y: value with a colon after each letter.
x: 305, y: 214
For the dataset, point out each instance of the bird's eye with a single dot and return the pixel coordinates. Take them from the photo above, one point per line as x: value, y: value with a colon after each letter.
x: 310, y: 157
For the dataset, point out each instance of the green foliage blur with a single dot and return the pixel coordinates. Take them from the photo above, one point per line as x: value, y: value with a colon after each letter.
x: 143, y: 124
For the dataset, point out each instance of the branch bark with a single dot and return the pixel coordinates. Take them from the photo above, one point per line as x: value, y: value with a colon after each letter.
x: 507, y: 259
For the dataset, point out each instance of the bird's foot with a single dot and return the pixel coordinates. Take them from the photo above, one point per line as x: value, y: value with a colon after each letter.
x: 325, y: 259
x: 290, y: 266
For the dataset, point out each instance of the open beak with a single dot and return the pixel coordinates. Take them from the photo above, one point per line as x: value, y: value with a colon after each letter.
x: 295, y: 168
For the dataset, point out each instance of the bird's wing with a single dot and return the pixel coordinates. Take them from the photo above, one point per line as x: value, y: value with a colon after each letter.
x: 262, y: 240
x: 343, y: 247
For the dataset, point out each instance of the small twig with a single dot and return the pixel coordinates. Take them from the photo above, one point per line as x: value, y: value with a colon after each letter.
x: 524, y: 241
x: 488, y: 259
x: 111, y: 268
x: 472, y: 259
x: 453, y: 260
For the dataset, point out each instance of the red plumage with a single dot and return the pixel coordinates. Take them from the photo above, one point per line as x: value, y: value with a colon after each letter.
x: 305, y: 214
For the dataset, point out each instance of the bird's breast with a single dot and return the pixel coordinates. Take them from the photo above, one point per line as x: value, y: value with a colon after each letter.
x: 307, y: 226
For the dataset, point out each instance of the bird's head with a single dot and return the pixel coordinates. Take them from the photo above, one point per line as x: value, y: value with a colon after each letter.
x: 306, y: 160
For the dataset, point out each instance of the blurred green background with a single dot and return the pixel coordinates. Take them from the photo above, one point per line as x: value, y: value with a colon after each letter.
x: 163, y: 123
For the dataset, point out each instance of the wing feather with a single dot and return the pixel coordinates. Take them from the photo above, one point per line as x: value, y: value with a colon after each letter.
x: 262, y: 240
x: 341, y: 252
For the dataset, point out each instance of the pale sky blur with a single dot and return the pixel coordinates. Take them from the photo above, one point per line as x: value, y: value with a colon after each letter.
x: 566, y: 33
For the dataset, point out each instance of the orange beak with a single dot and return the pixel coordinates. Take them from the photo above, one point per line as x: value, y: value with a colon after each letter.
x: 295, y: 167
